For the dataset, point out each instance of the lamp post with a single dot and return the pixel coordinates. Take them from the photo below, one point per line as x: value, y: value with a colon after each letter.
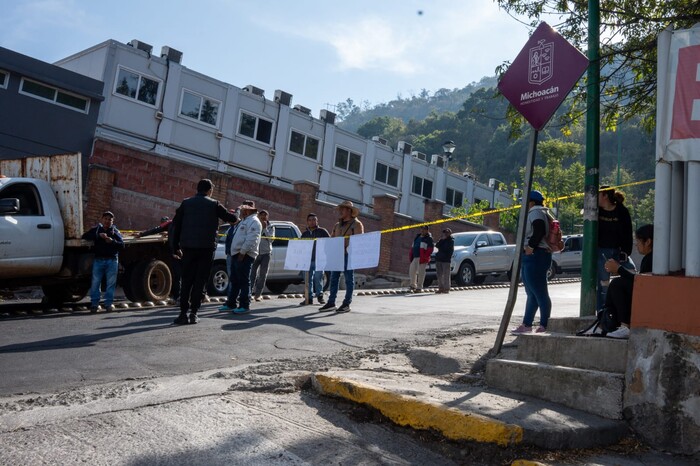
x: 494, y: 184
x: 448, y: 148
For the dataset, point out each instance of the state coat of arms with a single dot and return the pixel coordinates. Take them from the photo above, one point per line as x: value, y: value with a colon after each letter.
x: 541, y: 67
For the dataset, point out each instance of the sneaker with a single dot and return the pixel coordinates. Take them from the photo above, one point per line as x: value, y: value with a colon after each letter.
x: 226, y: 308
x: 305, y: 303
x: 521, y: 329
x: 110, y: 308
x: 241, y: 310
x: 181, y: 320
x: 193, y: 318
x: 541, y: 329
x: 343, y: 308
x: 94, y: 309
x: 621, y: 333
x: 258, y: 298
x: 321, y: 300
x: 328, y: 307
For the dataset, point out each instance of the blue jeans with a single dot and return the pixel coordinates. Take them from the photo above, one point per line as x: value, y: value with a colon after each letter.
x: 315, y: 287
x: 349, y: 284
x: 239, y: 282
x: 103, y: 267
x: 604, y: 276
x: 534, y: 272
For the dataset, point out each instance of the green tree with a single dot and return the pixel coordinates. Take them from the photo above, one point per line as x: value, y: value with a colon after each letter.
x: 629, y: 30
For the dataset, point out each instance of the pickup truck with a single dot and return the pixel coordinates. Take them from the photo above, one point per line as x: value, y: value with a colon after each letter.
x: 41, y: 224
x: 277, y: 277
x: 568, y: 259
x: 477, y: 255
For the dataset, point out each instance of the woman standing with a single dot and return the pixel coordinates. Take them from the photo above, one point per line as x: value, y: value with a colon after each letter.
x: 536, y: 261
x: 614, y: 237
x: 445, y: 246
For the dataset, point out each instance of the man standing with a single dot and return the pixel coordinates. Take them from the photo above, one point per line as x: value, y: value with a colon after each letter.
x: 258, y: 274
x: 242, y: 242
x: 108, y: 242
x: 347, y: 226
x: 419, y: 257
x: 194, y: 239
x: 314, y: 280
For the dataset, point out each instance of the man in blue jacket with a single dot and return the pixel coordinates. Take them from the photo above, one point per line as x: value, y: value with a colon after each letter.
x: 108, y: 242
x: 195, y: 227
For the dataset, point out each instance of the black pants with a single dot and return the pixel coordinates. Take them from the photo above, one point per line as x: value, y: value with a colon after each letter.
x: 196, y: 266
x: 619, y: 298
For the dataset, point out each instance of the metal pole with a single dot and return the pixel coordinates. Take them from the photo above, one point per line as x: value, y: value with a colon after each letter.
x: 590, y: 200
x: 515, y: 274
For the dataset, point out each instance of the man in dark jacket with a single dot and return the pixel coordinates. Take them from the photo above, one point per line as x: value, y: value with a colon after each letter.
x: 314, y: 277
x: 108, y: 242
x: 195, y: 227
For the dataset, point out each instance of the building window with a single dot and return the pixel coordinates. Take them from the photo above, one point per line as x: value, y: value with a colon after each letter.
x: 255, y: 128
x: 199, y: 107
x: 4, y: 79
x: 136, y: 86
x: 454, y: 198
x: 347, y: 160
x: 387, y: 175
x: 422, y: 187
x: 304, y: 145
x: 53, y: 95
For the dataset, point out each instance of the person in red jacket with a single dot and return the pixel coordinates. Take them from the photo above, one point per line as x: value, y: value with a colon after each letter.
x: 419, y: 255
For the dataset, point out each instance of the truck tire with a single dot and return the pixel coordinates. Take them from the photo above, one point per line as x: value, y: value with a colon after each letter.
x: 127, y: 287
x: 65, y: 293
x: 276, y: 287
x: 151, y: 281
x: 218, y: 280
x: 465, y: 275
x: 552, y: 270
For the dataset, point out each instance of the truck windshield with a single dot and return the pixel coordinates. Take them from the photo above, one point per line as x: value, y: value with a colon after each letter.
x: 464, y: 240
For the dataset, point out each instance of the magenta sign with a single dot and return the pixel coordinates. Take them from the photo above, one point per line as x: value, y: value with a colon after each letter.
x: 542, y: 75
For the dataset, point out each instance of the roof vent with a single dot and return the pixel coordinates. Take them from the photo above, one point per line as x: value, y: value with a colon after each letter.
x: 171, y: 54
x: 328, y: 117
x: 254, y: 90
x: 283, y: 98
x: 302, y: 109
x: 137, y: 44
x: 379, y: 140
x: 404, y: 147
x: 419, y: 155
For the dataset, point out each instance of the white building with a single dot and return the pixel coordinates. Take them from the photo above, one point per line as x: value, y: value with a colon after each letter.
x: 153, y: 103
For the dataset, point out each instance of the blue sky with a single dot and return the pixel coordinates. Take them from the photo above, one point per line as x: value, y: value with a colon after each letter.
x: 319, y: 51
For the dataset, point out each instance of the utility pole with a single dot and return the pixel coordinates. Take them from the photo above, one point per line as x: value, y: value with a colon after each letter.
x: 589, y: 263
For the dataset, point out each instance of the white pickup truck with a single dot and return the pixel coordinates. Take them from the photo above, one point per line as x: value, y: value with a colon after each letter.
x: 41, y: 224
x: 477, y: 255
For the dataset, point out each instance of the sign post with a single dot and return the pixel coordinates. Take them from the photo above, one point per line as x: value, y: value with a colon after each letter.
x: 538, y: 81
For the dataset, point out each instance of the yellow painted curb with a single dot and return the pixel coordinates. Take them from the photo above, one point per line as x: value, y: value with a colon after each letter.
x: 407, y: 411
x: 526, y: 463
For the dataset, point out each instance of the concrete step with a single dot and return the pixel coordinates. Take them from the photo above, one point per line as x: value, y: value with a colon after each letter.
x: 569, y: 325
x: 595, y: 392
x: 466, y: 412
x: 602, y: 354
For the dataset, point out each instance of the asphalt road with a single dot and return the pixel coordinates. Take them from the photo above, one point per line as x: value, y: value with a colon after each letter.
x: 44, y: 353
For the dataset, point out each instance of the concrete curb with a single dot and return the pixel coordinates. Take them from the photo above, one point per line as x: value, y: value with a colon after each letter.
x: 411, y: 412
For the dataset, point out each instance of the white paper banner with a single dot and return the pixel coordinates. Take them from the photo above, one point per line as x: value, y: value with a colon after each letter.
x: 298, y: 255
x: 330, y: 254
x: 363, y: 252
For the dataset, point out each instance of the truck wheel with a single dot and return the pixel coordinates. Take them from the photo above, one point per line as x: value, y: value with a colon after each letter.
x: 151, y: 281
x: 218, y: 280
x: 552, y: 271
x: 465, y: 276
x: 65, y: 293
x: 276, y: 287
x: 127, y: 285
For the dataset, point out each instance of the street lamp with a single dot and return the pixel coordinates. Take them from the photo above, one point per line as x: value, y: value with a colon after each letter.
x: 448, y: 148
x: 494, y: 184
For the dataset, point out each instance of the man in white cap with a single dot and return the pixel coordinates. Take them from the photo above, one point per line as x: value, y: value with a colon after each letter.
x: 347, y: 225
x: 242, y: 242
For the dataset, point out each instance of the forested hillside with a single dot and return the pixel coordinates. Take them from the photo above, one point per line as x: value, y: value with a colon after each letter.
x: 486, y: 148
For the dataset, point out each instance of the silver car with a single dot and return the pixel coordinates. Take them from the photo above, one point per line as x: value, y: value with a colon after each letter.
x: 277, y: 278
x: 569, y: 259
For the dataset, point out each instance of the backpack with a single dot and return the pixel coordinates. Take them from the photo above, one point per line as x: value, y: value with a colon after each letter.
x: 554, y: 237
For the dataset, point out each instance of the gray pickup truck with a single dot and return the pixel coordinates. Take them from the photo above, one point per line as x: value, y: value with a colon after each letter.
x: 477, y: 255
x: 277, y: 278
x: 569, y: 259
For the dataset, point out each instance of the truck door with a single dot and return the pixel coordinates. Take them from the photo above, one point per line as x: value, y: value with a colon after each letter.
x: 279, y: 252
x: 30, y: 244
x: 485, y: 254
x: 501, y: 257
x: 572, y: 254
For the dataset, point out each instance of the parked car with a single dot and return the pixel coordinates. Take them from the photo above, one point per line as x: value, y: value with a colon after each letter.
x: 477, y: 255
x: 569, y: 259
x: 277, y: 278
